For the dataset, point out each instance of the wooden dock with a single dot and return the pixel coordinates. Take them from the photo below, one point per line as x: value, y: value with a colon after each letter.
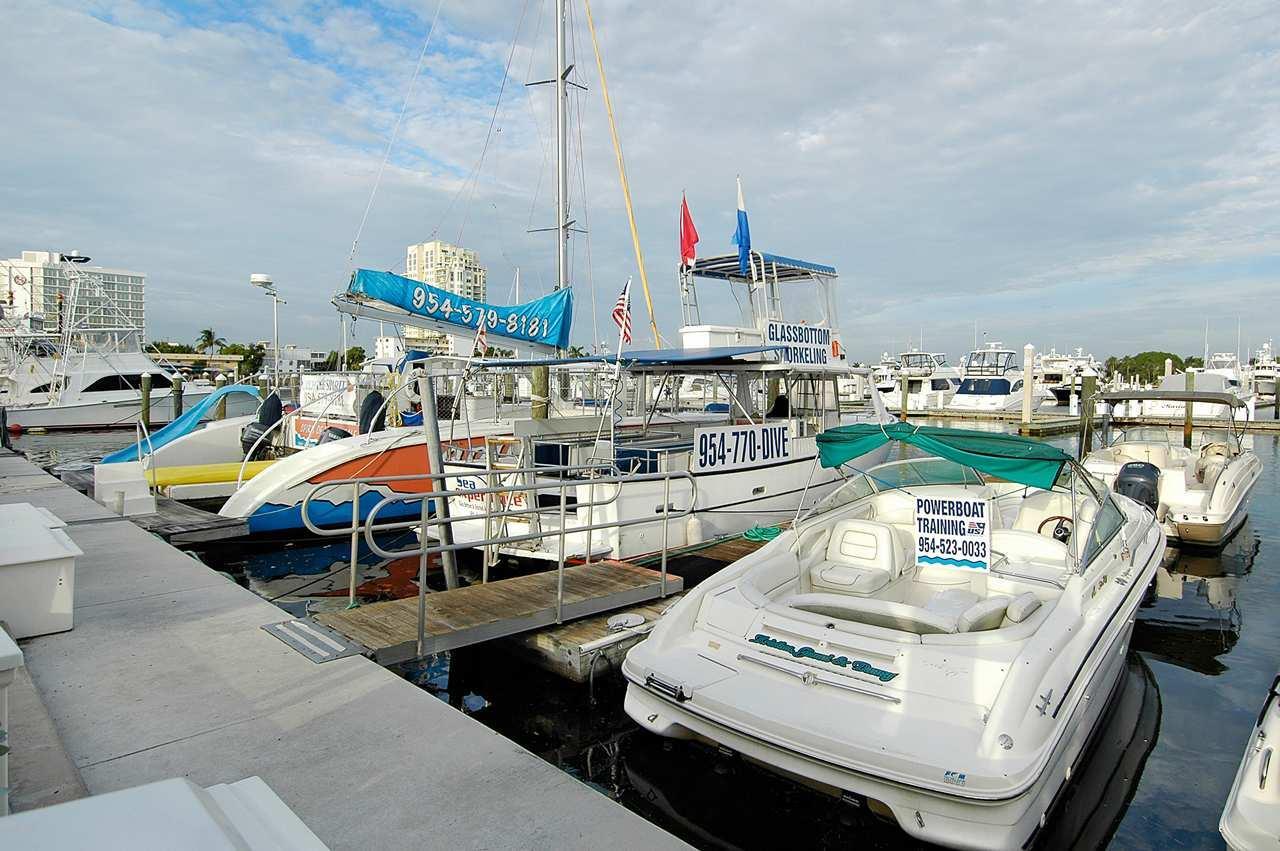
x: 181, y: 525
x: 476, y: 613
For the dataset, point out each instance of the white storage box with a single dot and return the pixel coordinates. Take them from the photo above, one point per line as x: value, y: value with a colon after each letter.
x: 10, y: 661
x: 37, y: 571
x: 167, y: 814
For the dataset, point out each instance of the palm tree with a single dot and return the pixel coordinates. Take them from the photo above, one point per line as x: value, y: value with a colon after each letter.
x: 576, y: 352
x: 209, y: 340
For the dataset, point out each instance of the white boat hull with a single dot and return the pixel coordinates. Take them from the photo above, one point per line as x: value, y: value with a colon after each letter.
x: 106, y: 414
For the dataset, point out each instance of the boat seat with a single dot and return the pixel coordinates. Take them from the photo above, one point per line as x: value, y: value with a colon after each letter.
x: 1039, y: 507
x: 978, y: 615
x: 951, y: 602
x: 863, y: 556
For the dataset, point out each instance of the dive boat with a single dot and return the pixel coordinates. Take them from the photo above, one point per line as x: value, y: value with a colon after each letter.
x: 931, y: 382
x: 935, y: 641
x: 750, y: 463
x: 993, y: 382
x: 1200, y: 494
x: 1251, y: 818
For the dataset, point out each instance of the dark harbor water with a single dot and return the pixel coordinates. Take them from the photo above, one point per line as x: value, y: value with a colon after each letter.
x: 1205, y: 649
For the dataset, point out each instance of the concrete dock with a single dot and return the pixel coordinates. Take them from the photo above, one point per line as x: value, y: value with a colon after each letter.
x: 168, y: 673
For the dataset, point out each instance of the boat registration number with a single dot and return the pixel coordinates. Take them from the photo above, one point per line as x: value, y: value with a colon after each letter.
x: 740, y: 447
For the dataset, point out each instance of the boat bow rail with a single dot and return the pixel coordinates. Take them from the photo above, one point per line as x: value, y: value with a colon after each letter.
x: 566, y: 477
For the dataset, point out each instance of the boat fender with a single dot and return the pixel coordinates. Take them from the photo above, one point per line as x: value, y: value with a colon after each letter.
x: 331, y: 434
x: 693, y: 530
x: 411, y: 387
x: 372, y: 405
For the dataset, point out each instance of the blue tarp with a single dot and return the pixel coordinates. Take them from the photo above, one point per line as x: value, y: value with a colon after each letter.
x: 183, y: 425
x: 544, y: 321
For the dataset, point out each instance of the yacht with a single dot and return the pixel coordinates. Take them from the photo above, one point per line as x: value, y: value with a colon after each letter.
x: 1199, y: 494
x: 1251, y: 817
x: 1062, y: 374
x: 1171, y: 406
x: 934, y: 642
x: 89, y: 380
x: 885, y: 374
x: 931, y: 382
x: 993, y: 382
x: 1264, y: 370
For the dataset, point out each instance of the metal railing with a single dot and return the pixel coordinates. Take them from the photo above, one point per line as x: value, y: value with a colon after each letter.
x: 369, y: 527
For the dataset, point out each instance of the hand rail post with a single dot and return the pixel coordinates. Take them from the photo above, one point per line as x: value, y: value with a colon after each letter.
x: 560, y: 564
x: 422, y: 578
x: 666, y: 512
x: 355, y: 544
x: 591, y: 515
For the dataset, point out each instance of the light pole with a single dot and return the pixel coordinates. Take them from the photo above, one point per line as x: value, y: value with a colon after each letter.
x: 265, y: 283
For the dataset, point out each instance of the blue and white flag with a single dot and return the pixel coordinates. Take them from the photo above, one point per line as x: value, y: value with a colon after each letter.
x: 742, y: 236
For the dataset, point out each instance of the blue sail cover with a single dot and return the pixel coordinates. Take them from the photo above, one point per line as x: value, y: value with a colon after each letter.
x: 544, y: 321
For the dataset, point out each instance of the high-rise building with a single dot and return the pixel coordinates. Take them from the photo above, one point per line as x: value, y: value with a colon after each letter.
x: 38, y: 287
x: 451, y: 268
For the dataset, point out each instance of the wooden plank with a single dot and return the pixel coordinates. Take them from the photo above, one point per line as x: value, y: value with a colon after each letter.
x: 184, y: 524
x: 477, y: 613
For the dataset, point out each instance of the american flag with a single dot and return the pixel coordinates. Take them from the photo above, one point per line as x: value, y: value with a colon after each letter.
x: 622, y: 312
x: 481, y: 344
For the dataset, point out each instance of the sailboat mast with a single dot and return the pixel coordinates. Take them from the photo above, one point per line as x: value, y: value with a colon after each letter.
x: 562, y: 159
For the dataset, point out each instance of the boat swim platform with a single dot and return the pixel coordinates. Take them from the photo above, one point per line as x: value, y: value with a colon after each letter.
x: 461, y: 617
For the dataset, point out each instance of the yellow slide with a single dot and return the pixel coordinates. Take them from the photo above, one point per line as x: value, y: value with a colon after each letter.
x: 202, y: 474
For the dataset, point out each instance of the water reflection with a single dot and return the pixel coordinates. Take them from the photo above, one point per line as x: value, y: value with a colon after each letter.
x: 1190, y: 618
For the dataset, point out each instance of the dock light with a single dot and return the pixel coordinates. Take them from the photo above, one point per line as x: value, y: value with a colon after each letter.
x: 264, y: 283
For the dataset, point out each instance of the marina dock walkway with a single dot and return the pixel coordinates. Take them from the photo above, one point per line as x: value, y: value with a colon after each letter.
x: 169, y: 674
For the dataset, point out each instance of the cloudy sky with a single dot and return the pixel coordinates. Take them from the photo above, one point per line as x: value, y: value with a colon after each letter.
x: 1089, y: 174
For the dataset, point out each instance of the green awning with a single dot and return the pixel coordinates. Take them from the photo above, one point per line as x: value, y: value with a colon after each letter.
x: 1008, y: 456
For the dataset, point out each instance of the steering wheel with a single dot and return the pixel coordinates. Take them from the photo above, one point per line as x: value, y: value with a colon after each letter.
x: 1061, y: 531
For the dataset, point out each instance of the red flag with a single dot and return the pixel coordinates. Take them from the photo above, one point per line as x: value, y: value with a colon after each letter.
x: 688, y: 235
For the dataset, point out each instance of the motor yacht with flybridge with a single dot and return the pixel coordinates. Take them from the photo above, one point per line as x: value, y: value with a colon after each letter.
x: 935, y: 640
x: 993, y: 382
x: 931, y: 382
x: 1200, y: 493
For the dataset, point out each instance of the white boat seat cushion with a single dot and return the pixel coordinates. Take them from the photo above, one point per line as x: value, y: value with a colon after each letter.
x: 983, y: 615
x: 1022, y: 607
x: 881, y: 613
x: 952, y: 602
x: 862, y: 557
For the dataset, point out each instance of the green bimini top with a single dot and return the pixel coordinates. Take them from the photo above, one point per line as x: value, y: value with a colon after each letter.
x: 1008, y: 456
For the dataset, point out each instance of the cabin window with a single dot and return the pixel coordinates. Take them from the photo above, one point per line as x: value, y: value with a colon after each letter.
x: 940, y: 384
x: 985, y: 386
x: 1105, y: 525
x: 1017, y: 385
x: 43, y: 388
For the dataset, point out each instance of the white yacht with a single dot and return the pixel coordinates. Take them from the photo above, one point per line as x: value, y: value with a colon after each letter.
x: 1264, y: 370
x: 935, y: 641
x: 885, y: 374
x: 1199, y: 494
x: 89, y: 380
x: 1062, y: 374
x: 1251, y: 818
x: 993, y: 381
x: 1171, y: 406
x: 931, y: 382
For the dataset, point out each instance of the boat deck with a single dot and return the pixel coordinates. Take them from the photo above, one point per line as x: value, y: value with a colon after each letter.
x: 464, y: 616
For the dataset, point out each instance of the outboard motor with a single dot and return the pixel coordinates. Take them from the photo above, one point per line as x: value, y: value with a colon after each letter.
x: 1140, y: 481
x: 268, y: 415
x: 372, y: 405
x: 333, y: 433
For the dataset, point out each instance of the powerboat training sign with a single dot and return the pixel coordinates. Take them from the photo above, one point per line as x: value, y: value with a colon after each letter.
x: 545, y: 321
x: 954, y: 532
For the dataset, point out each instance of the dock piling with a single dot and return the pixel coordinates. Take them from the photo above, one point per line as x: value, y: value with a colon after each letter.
x: 902, y: 397
x: 1191, y: 407
x: 146, y: 401
x: 220, y: 412
x: 1028, y: 381
x: 176, y: 397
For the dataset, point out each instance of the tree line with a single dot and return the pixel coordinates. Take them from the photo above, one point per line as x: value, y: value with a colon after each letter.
x: 1149, y: 366
x: 253, y: 354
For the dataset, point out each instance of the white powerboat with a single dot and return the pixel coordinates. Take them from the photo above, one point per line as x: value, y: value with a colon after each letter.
x: 935, y: 641
x: 1063, y: 374
x: 1251, y: 818
x: 931, y: 382
x: 993, y: 381
x: 1264, y: 370
x: 1200, y: 494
